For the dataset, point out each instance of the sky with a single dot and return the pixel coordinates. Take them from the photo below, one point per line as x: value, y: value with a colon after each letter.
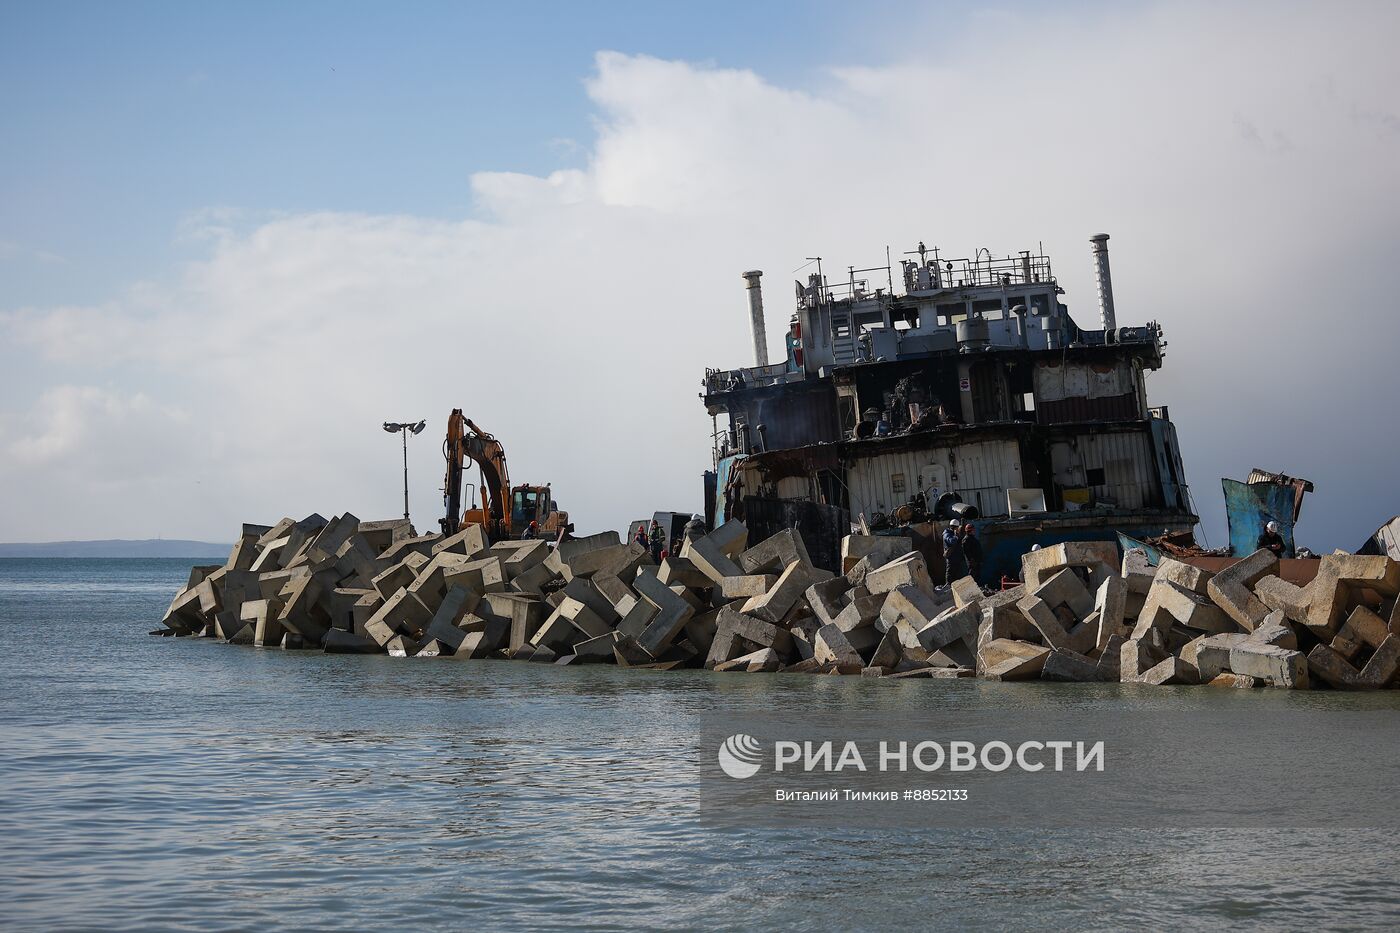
x: 235, y: 238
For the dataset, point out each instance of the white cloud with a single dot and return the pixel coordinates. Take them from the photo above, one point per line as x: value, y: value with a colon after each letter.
x: 95, y: 460
x: 78, y: 428
x: 1248, y: 187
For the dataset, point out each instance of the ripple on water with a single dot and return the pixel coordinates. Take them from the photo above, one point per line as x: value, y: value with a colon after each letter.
x: 160, y: 784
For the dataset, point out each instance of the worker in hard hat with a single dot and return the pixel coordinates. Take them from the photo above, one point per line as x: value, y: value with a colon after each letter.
x: 1271, y: 540
x: 954, y: 563
x: 972, y: 550
x: 658, y: 541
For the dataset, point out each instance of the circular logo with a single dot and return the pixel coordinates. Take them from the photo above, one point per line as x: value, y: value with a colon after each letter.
x: 740, y: 756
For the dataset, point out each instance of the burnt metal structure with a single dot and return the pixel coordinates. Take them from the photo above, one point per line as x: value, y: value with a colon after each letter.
x: 971, y: 391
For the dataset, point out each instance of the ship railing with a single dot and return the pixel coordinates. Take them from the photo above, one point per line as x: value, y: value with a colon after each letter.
x: 982, y: 270
x: 729, y: 380
x: 857, y: 288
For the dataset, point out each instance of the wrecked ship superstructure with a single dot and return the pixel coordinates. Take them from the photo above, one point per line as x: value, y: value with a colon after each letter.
x: 971, y: 392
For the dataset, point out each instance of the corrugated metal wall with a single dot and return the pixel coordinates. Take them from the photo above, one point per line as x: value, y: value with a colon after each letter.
x: 1071, y: 410
x: 1055, y: 380
x: 1069, y: 392
x: 1130, y: 476
x: 795, y: 487
x: 983, y: 470
x: 1176, y: 494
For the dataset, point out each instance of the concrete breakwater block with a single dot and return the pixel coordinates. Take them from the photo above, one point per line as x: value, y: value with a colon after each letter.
x: 732, y: 604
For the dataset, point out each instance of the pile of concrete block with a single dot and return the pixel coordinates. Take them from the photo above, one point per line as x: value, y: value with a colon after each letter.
x: 347, y: 586
x: 1082, y: 614
x: 728, y: 604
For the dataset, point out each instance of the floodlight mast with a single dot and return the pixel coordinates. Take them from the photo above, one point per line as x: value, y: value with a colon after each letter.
x: 403, y: 428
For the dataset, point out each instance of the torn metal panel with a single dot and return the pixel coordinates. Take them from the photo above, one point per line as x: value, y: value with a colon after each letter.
x: 1385, y: 541
x: 726, y: 474
x: 1300, y: 487
x: 1249, y: 507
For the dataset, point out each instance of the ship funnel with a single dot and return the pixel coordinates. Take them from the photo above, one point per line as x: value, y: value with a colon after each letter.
x: 760, y: 333
x: 1099, y: 243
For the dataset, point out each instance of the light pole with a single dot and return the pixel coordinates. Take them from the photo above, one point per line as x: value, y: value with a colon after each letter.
x: 404, y: 428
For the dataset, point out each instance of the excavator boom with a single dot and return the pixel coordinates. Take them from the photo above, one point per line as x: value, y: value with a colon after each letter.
x: 466, y: 441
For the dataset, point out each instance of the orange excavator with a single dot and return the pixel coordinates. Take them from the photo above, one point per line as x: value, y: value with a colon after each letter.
x: 504, y: 511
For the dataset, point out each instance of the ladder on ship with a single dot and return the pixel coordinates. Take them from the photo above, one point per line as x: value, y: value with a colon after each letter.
x: 843, y: 336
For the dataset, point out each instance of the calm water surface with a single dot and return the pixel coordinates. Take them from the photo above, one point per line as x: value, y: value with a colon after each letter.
x: 153, y: 784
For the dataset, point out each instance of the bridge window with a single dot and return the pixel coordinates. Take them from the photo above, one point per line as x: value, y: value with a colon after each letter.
x: 952, y: 312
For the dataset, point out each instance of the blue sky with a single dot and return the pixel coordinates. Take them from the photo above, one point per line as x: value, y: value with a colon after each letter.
x: 122, y: 119
x: 234, y: 238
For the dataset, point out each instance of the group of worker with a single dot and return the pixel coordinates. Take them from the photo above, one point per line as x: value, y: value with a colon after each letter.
x: 962, y: 551
x: 653, y: 538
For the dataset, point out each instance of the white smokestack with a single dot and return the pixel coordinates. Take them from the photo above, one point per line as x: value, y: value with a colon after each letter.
x: 1099, y: 243
x: 760, y: 333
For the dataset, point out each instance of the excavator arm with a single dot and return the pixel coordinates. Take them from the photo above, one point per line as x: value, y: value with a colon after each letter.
x: 451, y: 522
x: 465, y: 441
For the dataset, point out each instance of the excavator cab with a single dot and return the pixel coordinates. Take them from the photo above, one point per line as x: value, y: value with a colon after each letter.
x: 525, y: 507
x: 534, y: 504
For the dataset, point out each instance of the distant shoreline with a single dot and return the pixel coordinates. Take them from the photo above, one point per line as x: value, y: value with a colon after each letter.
x: 152, y: 547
